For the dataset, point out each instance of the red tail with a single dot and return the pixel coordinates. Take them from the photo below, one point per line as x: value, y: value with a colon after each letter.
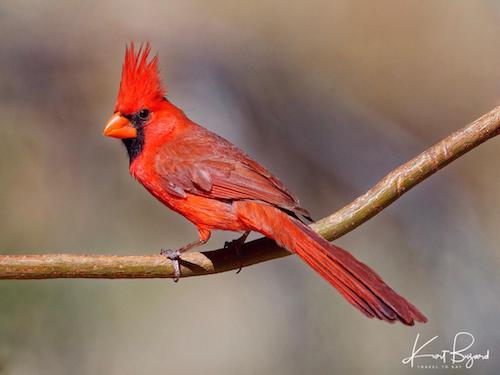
x: 360, y: 285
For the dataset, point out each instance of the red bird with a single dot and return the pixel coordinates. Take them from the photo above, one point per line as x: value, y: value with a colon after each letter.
x: 215, y: 185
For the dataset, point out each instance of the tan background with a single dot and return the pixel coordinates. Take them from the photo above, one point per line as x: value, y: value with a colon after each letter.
x: 330, y: 95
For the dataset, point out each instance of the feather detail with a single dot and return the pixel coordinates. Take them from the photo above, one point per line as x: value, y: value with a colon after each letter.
x: 140, y: 85
x: 359, y: 284
x: 202, y: 163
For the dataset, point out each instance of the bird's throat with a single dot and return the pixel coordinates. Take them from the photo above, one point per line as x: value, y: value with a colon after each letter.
x: 135, y: 145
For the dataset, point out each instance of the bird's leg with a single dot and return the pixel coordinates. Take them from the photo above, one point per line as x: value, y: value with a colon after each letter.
x: 192, y: 245
x: 175, y: 255
x: 238, y: 245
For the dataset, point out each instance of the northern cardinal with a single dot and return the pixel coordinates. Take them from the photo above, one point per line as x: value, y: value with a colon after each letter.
x: 215, y: 185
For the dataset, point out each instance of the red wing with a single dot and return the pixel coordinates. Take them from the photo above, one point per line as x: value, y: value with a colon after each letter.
x: 205, y: 164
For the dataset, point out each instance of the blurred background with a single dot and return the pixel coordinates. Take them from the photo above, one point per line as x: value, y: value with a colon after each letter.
x: 330, y: 96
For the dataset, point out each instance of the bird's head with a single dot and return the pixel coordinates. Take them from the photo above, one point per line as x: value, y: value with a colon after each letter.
x: 141, y: 98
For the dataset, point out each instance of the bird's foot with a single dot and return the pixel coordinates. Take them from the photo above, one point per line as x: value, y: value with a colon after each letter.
x: 237, y: 245
x: 174, y: 256
x: 239, y: 253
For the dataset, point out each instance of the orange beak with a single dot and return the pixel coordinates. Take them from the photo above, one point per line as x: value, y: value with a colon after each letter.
x: 119, y: 127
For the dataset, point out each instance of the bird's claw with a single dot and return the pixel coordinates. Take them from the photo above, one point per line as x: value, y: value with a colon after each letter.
x: 174, y: 256
x: 236, y: 244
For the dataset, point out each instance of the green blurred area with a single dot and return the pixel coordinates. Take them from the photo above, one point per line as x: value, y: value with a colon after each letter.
x: 330, y: 95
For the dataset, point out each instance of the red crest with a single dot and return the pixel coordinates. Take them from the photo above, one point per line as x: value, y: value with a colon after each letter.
x: 140, y: 86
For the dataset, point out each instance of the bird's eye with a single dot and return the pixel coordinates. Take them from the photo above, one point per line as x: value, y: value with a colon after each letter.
x: 143, y: 114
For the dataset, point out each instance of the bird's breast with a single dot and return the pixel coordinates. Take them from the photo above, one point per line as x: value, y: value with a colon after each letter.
x: 200, y: 210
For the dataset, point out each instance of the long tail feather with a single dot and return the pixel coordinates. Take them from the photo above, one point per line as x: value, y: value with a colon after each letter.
x: 359, y: 284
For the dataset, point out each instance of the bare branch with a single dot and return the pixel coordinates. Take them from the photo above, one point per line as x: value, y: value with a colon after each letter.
x: 385, y: 192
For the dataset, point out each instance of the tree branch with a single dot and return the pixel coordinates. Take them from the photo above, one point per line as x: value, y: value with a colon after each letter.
x: 385, y: 192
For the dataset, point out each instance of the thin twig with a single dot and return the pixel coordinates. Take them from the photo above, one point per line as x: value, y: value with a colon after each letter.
x: 385, y: 192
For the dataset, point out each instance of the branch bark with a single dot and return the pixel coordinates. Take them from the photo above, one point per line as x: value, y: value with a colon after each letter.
x: 386, y: 191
